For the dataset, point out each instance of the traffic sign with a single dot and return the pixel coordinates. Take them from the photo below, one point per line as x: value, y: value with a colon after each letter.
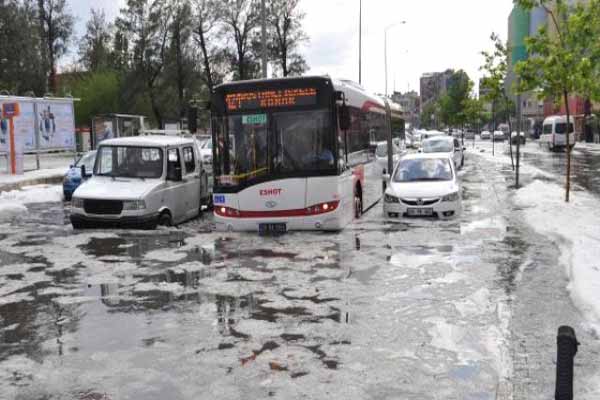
x: 10, y: 110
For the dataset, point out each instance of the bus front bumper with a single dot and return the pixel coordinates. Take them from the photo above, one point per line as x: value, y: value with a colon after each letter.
x: 328, y: 222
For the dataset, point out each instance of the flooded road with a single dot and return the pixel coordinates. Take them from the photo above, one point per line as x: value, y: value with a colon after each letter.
x: 414, y: 310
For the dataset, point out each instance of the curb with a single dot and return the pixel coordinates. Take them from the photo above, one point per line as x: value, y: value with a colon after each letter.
x: 47, y: 180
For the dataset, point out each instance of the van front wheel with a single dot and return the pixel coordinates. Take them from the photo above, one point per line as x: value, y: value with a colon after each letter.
x: 165, y: 219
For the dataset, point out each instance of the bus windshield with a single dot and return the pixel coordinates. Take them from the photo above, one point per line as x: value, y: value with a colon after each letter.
x: 273, y: 145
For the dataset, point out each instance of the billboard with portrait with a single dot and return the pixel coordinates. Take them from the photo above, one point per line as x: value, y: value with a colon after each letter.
x: 56, y: 124
x: 24, y: 127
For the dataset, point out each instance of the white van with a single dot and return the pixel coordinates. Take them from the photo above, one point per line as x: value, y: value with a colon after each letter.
x: 141, y: 182
x: 554, y: 136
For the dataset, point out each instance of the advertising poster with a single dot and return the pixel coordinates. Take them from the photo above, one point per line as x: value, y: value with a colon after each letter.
x: 24, y: 127
x: 56, y: 125
x: 103, y: 129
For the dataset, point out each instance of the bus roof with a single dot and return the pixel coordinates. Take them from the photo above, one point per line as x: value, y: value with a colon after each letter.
x: 356, y: 95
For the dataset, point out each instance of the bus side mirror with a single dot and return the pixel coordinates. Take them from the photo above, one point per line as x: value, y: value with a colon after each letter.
x: 344, y: 117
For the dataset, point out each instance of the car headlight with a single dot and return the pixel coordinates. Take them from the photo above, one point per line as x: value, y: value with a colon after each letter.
x: 76, y: 202
x: 391, y: 199
x: 450, y: 197
x: 133, y: 205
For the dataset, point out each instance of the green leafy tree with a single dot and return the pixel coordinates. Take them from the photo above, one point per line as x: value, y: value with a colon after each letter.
x: 21, y: 64
x: 452, y: 104
x: 563, y: 58
x: 98, y: 93
x: 495, y: 68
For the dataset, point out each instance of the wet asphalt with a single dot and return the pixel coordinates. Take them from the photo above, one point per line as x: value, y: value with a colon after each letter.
x: 419, y: 309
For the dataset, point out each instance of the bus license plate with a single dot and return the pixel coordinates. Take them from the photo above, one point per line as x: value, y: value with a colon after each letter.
x: 420, y: 212
x: 272, y: 229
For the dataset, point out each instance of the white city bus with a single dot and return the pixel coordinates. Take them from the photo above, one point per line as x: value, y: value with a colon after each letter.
x: 293, y: 167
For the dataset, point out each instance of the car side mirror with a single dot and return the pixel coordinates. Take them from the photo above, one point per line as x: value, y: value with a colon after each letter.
x: 344, y: 117
x: 174, y: 173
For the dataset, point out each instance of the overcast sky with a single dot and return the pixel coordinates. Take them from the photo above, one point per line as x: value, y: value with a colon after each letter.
x: 438, y: 34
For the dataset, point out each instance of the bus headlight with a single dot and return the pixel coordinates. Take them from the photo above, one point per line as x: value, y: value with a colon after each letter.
x: 450, y: 197
x: 133, y: 205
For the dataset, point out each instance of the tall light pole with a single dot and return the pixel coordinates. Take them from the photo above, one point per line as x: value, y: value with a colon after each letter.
x: 360, y: 43
x: 264, y: 38
x: 385, y: 31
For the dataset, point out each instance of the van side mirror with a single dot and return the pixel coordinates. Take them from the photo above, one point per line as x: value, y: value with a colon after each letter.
x: 344, y: 117
x: 84, y: 172
x: 174, y: 172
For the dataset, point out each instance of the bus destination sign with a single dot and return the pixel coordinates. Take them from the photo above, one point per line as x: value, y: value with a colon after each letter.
x: 276, y: 98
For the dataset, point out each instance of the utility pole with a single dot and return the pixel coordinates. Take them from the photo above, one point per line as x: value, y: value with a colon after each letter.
x: 264, y: 38
x: 360, y: 43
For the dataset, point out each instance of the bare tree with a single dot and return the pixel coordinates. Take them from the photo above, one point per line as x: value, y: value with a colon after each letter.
x: 94, y: 48
x: 56, y: 28
x: 285, y: 23
x: 207, y: 16
x: 147, y: 25
x: 240, y: 19
x: 180, y: 49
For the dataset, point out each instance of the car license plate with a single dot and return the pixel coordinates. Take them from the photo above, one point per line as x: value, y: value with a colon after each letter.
x: 272, y: 229
x: 420, y: 212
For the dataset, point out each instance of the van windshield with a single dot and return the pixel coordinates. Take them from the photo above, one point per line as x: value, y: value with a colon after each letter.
x: 129, y: 162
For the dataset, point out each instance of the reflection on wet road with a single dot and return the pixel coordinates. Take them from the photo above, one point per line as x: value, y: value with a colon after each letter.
x: 417, y: 309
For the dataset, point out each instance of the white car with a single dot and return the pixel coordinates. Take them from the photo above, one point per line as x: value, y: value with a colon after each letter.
x: 446, y: 145
x: 423, y: 185
x: 485, y: 135
x: 141, y: 182
x: 498, y: 136
x: 381, y: 155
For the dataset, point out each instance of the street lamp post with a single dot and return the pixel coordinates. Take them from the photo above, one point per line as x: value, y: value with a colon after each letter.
x: 385, y: 31
x: 360, y: 44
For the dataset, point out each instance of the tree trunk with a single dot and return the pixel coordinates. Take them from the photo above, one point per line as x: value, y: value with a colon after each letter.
x: 512, y: 161
x: 207, y: 69
x: 568, y: 133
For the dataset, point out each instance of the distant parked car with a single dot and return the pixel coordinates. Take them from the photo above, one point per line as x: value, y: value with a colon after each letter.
x: 499, y: 136
x: 73, y: 177
x: 514, y: 138
x: 485, y: 135
x: 448, y: 146
x: 381, y: 154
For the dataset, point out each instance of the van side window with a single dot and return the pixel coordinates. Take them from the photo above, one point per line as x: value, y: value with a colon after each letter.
x: 188, y: 160
x: 173, y: 157
x: 547, y: 129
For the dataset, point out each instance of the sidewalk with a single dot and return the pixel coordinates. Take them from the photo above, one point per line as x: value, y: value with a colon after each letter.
x: 53, y: 169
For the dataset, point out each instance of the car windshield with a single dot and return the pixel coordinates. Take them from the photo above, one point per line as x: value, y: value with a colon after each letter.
x: 437, y: 146
x: 426, y: 169
x: 87, y: 160
x: 129, y: 162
